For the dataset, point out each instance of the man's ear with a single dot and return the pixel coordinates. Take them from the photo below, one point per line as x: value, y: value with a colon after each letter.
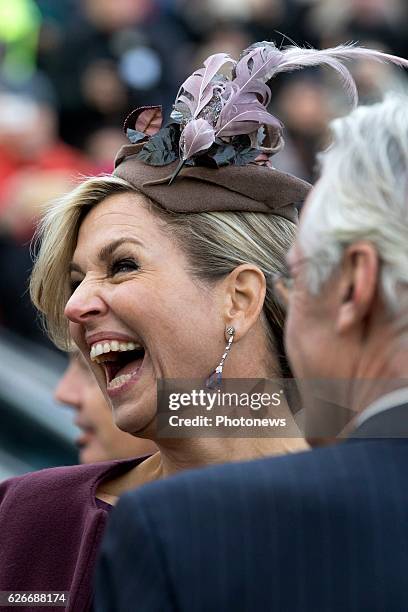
x: 245, y: 289
x: 358, y: 284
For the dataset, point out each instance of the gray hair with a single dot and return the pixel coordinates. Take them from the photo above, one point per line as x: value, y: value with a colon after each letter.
x: 362, y: 195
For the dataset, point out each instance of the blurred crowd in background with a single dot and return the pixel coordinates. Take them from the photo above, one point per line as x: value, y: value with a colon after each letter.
x: 70, y: 72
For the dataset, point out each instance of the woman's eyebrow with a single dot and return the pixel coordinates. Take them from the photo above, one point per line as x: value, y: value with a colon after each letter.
x: 106, y: 252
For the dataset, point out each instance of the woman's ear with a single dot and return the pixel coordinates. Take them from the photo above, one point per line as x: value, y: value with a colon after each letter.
x: 358, y: 285
x: 245, y: 289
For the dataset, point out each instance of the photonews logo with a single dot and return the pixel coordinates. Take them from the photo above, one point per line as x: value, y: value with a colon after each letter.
x: 237, y: 407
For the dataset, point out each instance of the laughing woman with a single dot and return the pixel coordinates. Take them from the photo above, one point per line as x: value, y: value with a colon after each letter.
x: 151, y: 271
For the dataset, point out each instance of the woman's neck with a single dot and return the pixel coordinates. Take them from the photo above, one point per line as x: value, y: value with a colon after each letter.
x: 175, y: 455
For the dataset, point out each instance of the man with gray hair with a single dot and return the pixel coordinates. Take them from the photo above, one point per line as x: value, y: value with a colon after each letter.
x: 347, y: 281
x: 318, y: 531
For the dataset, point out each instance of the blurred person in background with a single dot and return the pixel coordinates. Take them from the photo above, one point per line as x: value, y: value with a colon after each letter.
x: 35, y: 167
x: 304, y: 106
x: 100, y: 439
x: 101, y: 146
x: 379, y: 22
x: 126, y: 50
x: 375, y: 24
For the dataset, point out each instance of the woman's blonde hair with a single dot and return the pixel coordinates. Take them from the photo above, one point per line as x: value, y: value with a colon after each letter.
x: 214, y: 243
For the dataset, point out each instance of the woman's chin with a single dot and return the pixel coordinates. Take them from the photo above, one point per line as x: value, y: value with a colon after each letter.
x: 92, y: 453
x: 131, y: 419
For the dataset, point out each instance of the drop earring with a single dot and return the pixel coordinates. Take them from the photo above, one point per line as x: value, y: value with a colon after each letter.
x: 214, y: 380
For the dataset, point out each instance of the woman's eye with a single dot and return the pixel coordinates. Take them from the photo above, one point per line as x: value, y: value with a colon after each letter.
x: 123, y: 265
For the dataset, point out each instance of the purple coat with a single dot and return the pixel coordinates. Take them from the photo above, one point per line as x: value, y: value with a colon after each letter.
x: 51, y: 527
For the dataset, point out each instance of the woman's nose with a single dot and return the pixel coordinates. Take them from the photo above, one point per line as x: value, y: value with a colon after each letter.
x: 84, y: 304
x: 67, y: 390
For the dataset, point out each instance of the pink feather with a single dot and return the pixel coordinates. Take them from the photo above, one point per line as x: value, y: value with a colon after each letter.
x: 198, y: 90
x: 295, y: 58
x: 197, y: 136
x: 230, y: 107
x: 253, y: 68
x: 245, y: 119
x: 262, y: 62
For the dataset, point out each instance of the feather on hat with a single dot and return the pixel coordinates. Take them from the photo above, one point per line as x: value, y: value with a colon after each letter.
x: 219, y: 122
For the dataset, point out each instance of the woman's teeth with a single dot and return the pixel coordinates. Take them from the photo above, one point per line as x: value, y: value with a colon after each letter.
x: 111, y: 347
x: 120, y: 380
x: 118, y: 369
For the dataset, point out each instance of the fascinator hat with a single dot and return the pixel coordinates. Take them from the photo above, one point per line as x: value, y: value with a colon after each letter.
x: 216, y: 151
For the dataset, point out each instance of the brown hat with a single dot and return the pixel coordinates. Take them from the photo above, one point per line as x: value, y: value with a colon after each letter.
x: 251, y: 188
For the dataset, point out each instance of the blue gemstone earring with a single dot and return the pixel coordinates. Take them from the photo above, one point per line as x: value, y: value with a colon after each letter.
x: 214, y: 380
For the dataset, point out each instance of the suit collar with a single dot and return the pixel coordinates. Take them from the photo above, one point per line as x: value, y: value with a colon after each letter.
x: 385, y: 402
x: 385, y: 418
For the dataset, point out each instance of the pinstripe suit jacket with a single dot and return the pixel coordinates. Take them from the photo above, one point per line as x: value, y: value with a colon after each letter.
x: 320, y: 531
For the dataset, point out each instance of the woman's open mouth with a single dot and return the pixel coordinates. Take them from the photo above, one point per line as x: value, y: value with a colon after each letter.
x: 121, y: 362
